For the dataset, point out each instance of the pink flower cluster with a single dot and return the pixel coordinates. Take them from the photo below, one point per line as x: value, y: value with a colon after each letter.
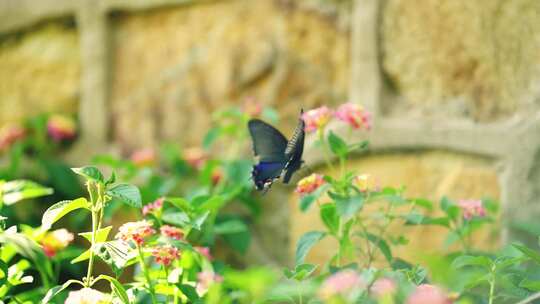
x: 309, y: 184
x: 342, y: 284
x: 204, y: 251
x: 428, y: 294
x: 135, y: 231
x: 471, y: 208
x: 353, y: 114
x: 383, y: 287
x: 317, y: 119
x: 144, y: 157
x: 154, y: 207
x: 172, y: 232
x: 164, y: 255
x: 56, y: 240
x: 10, y: 134
x: 87, y: 296
x: 205, y: 279
x: 61, y: 127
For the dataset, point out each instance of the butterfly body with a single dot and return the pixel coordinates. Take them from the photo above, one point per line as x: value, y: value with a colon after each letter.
x: 277, y: 155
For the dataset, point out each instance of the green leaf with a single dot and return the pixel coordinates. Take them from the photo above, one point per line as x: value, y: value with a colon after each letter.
x: 231, y: 226
x: 337, y: 145
x: 211, y: 137
x: 307, y: 200
x: 530, y: 285
x: 189, y: 291
x: 58, y: 210
x: 424, y: 203
x: 82, y: 257
x: 176, y: 218
x: 469, y: 260
x: 101, y: 235
x: 303, y: 271
x: 117, y: 254
x: 111, y: 179
x: 117, y: 288
x: 19, y: 190
x: 382, y: 245
x: 305, y: 243
x: 90, y: 172
x: 199, y: 220
x: 239, y: 241
x: 535, y: 256
x: 348, y: 206
x: 330, y: 217
x: 414, y: 218
x: 4, y: 269
x: 53, y: 292
x: 126, y: 193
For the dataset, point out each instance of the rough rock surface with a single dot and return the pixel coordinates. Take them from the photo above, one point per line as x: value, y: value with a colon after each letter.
x: 39, y: 71
x: 173, y: 66
x: 469, y: 59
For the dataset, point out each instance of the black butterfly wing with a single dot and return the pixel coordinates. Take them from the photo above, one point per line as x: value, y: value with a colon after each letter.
x: 268, y: 143
x: 294, y: 150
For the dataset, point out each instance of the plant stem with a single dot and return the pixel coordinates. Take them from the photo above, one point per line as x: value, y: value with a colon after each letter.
x: 530, y: 299
x: 324, y: 148
x: 147, y: 275
x: 93, y: 241
x: 492, y: 285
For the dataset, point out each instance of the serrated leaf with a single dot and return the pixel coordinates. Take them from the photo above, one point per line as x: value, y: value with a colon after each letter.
x: 305, y: 243
x: 90, y: 172
x: 53, y: 292
x: 58, y: 210
x: 535, y: 256
x: 117, y: 254
x: 348, y: 206
x: 337, y: 145
x: 189, y: 291
x: 176, y: 218
x: 82, y: 257
x: 101, y: 235
x: 18, y: 190
x: 126, y: 193
x: 117, y: 288
x: 231, y: 226
x: 382, y: 245
x: 4, y: 269
x: 330, y: 217
x: 530, y: 285
x: 469, y: 260
x: 307, y: 200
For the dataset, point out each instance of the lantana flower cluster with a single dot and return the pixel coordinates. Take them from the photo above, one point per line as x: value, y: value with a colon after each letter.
x: 154, y: 207
x: 56, y: 240
x: 471, y: 208
x: 135, y: 231
x: 164, y: 255
x: 351, y: 113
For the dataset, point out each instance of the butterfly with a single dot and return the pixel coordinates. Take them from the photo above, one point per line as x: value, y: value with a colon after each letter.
x: 276, y: 154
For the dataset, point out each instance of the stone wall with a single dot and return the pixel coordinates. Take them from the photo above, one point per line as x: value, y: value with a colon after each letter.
x: 455, y: 81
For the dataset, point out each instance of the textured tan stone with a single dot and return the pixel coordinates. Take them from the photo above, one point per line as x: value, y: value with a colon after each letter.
x: 39, y: 72
x: 173, y: 66
x: 431, y: 175
x: 475, y: 59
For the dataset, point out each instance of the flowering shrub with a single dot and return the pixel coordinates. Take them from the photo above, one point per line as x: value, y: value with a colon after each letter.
x: 179, y: 197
